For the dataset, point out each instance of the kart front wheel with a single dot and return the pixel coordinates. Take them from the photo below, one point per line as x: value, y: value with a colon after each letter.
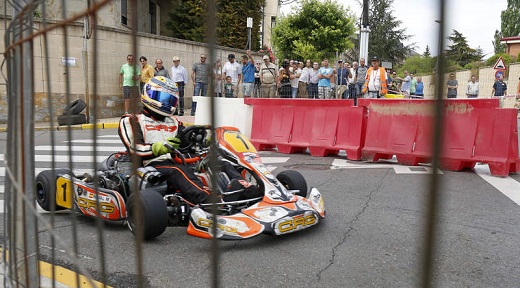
x: 46, y: 188
x: 146, y: 211
x: 293, y: 180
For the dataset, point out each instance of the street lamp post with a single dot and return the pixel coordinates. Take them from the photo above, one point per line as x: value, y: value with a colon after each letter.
x: 249, y: 27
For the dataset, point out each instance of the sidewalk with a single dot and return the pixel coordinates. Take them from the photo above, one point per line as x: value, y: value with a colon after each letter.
x: 103, y: 123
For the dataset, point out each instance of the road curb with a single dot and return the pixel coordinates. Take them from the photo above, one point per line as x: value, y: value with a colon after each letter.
x: 108, y: 125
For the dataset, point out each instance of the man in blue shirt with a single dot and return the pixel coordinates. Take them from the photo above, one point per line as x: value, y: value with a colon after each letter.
x: 325, y: 73
x: 500, y: 87
x: 248, y: 74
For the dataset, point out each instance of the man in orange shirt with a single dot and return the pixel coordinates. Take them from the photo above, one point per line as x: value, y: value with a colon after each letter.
x: 147, y: 71
x: 375, y: 81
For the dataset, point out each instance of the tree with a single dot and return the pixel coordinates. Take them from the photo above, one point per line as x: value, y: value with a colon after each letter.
x: 497, y: 46
x: 427, y: 52
x: 232, y: 17
x: 418, y: 65
x: 187, y: 20
x: 386, y: 39
x: 317, y: 30
x: 460, y: 52
x: 510, y: 25
x: 510, y: 19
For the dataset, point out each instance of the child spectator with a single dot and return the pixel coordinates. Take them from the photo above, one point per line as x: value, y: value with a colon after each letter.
x: 229, y: 88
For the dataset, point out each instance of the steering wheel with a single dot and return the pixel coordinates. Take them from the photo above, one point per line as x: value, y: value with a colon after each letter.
x: 191, y: 136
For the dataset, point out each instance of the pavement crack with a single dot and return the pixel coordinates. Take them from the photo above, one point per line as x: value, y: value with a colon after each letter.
x: 350, y: 228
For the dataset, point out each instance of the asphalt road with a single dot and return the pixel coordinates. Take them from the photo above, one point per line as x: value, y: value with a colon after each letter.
x: 373, y: 235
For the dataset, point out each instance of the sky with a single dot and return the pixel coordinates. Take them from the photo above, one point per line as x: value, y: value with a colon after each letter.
x: 477, y: 20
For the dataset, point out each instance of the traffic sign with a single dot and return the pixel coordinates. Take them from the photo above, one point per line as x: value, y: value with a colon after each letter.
x: 499, y: 73
x: 500, y: 65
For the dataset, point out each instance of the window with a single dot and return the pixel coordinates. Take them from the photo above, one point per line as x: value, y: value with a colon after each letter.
x: 124, y: 12
x: 152, y: 11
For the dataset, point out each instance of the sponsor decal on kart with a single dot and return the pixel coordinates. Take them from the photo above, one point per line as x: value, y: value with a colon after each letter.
x: 269, y: 214
x: 295, y: 223
x: 87, y: 203
x: 236, y: 226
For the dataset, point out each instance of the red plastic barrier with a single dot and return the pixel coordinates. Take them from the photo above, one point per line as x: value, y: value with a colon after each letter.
x: 474, y: 131
x: 484, y: 135
x: 288, y: 123
x: 261, y: 130
x: 339, y: 129
x: 400, y: 127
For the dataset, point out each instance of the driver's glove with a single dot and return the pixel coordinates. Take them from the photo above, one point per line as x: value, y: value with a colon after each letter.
x: 159, y: 149
x: 174, y: 141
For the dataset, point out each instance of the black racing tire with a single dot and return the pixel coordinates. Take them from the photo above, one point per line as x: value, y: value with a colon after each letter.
x: 154, y: 217
x: 45, y: 188
x: 293, y: 180
x: 75, y: 107
x: 72, y: 119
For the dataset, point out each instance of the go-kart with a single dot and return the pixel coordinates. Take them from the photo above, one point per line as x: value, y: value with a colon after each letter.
x: 144, y: 201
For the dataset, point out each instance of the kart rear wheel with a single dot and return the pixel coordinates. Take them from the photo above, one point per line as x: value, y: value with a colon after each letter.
x: 45, y: 188
x: 153, y: 217
x: 293, y: 180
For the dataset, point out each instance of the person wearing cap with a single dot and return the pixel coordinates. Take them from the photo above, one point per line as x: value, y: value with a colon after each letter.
x: 375, y: 82
x: 499, y: 87
x: 342, y: 76
x: 233, y: 69
x: 268, y: 78
x: 179, y: 76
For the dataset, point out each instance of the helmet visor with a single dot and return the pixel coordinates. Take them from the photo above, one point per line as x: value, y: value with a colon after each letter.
x: 163, y: 97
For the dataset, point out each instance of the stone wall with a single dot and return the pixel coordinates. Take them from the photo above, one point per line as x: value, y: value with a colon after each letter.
x: 112, y: 47
x: 485, y: 77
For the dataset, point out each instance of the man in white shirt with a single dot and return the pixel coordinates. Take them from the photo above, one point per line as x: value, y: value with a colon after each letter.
x: 304, y: 79
x: 352, y: 82
x: 180, y: 77
x: 472, y: 89
x: 233, y: 69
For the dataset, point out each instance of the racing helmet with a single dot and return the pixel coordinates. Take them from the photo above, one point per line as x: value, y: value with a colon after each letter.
x: 160, y: 95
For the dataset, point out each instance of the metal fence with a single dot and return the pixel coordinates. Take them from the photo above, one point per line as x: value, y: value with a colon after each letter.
x: 21, y: 250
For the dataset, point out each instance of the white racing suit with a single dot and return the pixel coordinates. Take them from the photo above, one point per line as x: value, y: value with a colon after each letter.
x: 145, y: 130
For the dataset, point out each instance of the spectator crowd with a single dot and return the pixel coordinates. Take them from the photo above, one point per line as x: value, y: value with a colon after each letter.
x: 292, y: 79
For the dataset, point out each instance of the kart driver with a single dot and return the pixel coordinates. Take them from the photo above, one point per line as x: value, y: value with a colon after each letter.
x: 145, y: 134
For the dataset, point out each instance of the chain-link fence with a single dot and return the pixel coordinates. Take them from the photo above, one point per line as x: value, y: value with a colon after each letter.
x: 77, y: 59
